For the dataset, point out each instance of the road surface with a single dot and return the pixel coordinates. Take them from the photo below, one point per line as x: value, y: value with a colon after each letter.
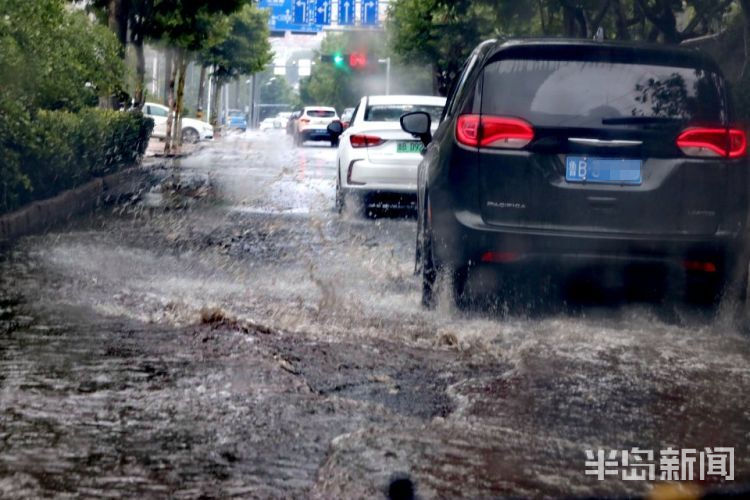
x: 227, y: 334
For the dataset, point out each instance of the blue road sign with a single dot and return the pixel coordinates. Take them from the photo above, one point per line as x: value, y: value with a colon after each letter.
x: 287, y: 15
x: 323, y: 12
x: 346, y: 12
x: 300, y: 11
x: 369, y: 12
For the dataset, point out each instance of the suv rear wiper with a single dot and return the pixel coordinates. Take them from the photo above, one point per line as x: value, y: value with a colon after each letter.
x: 639, y: 120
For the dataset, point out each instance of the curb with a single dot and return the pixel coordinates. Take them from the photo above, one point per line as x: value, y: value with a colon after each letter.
x: 41, y: 215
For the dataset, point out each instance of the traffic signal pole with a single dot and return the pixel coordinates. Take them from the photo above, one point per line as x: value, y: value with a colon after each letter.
x: 387, y: 62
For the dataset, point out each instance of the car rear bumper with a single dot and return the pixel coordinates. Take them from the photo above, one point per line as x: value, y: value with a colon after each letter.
x: 363, y: 175
x: 463, y: 238
x: 315, y: 135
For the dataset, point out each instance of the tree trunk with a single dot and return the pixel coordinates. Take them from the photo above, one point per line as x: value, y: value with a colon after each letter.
x: 663, y: 19
x: 621, y: 21
x: 201, y: 93
x: 746, y: 34
x: 215, y: 106
x: 140, y: 71
x: 171, y: 105
x: 117, y: 20
x: 168, y: 66
x: 177, y: 134
x: 569, y: 24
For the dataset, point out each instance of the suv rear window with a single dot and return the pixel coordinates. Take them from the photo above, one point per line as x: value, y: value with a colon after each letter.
x: 393, y: 112
x: 319, y: 113
x: 584, y: 93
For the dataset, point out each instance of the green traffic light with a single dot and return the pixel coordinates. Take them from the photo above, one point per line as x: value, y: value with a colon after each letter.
x: 338, y: 59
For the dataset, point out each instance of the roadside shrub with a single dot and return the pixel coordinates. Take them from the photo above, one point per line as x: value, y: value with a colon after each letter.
x: 14, y: 127
x: 60, y: 150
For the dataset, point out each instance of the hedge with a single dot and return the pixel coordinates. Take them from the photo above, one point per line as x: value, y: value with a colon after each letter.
x: 43, y: 155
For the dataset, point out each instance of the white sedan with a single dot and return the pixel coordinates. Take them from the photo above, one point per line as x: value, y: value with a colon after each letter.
x: 192, y: 130
x: 375, y: 156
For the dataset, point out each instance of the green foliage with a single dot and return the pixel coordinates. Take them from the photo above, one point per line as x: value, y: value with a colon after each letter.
x: 58, y: 150
x: 240, y: 45
x: 188, y: 24
x: 53, y: 58
x: 54, y: 64
x: 338, y: 85
x: 443, y: 32
x: 277, y: 91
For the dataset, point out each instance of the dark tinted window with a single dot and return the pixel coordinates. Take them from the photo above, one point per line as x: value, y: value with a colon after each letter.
x: 393, y: 112
x: 317, y: 113
x: 583, y: 93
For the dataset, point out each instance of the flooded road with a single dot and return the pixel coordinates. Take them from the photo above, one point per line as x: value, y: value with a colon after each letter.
x: 229, y: 335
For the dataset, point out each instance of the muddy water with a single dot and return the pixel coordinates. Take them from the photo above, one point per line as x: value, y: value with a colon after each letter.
x: 229, y: 334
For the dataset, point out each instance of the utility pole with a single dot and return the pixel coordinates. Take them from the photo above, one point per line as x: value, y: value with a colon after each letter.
x: 210, y: 93
x: 387, y: 62
x: 226, y: 105
x: 253, y: 111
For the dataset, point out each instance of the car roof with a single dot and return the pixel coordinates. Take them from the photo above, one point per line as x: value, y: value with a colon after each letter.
x: 628, y: 52
x: 319, y: 108
x: 406, y: 99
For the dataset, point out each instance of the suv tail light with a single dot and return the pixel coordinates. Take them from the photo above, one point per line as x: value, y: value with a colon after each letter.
x: 493, y: 131
x: 304, y: 120
x: 713, y: 142
x: 365, y: 141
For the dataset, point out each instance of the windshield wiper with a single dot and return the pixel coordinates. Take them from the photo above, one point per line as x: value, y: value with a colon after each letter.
x: 639, y: 120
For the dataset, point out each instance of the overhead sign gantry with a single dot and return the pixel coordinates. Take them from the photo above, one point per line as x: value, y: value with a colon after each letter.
x: 314, y: 16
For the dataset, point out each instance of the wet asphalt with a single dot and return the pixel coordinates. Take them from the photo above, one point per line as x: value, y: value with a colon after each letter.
x: 227, y: 334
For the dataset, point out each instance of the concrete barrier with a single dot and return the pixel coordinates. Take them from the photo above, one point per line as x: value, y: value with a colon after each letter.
x: 41, y: 215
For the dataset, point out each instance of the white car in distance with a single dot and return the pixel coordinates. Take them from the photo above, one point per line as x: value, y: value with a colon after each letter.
x: 193, y: 130
x: 312, y: 123
x: 375, y: 157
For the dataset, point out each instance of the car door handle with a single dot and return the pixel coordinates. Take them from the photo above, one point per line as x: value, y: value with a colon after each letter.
x: 614, y: 143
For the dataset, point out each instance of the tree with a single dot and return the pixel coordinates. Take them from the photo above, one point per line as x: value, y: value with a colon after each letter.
x: 243, y: 49
x: 188, y: 26
x: 56, y: 59
x: 442, y: 32
x: 51, y: 58
x: 277, y: 91
x: 342, y: 87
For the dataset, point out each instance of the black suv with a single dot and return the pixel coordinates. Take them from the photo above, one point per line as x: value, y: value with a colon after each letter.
x: 588, y: 153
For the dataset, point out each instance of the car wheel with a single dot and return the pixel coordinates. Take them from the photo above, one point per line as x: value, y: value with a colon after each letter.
x: 190, y: 136
x: 418, y: 252
x: 340, y: 198
x: 734, y: 296
x: 429, y: 272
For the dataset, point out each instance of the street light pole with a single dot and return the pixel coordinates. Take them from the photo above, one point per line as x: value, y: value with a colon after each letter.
x: 387, y: 62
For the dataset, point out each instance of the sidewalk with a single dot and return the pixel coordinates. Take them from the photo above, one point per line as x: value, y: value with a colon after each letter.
x: 156, y: 148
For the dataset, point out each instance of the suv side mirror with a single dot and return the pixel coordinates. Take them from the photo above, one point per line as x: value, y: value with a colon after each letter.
x: 417, y: 124
x: 335, y: 128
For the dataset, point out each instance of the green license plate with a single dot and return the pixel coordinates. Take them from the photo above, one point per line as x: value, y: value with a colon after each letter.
x: 409, y: 147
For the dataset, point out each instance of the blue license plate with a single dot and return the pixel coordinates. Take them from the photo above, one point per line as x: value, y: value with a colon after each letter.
x: 603, y: 170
